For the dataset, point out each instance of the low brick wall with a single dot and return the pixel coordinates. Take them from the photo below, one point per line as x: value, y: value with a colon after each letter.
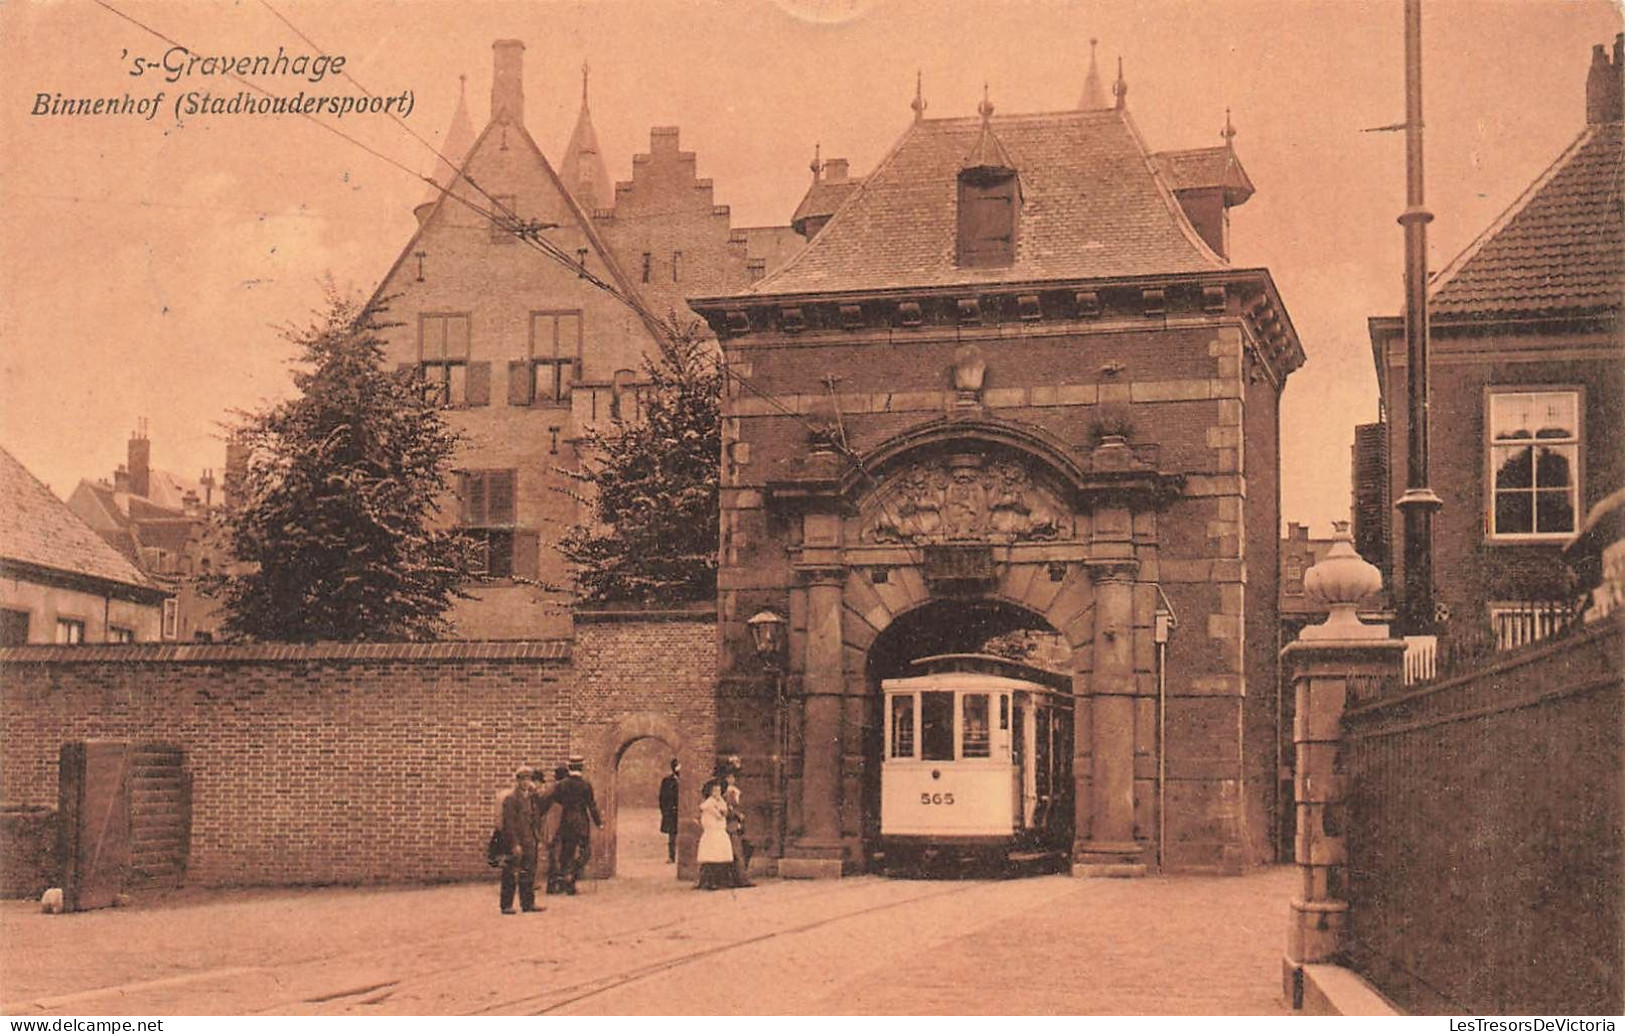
x: 1484, y: 836
x: 341, y: 763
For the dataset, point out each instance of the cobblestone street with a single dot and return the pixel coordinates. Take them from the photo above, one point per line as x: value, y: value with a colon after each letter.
x: 643, y: 943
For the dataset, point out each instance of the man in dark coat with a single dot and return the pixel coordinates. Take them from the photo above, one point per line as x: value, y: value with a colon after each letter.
x: 518, y: 818
x: 668, y: 812
x: 574, y: 797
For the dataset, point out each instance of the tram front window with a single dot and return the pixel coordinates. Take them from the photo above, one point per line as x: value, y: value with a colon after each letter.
x: 936, y: 726
x: 977, y: 742
x: 902, y: 726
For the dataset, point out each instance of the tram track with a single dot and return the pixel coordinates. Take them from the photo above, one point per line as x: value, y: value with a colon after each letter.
x: 603, y: 985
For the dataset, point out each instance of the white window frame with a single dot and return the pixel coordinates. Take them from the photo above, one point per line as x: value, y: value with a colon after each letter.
x: 171, y: 618
x: 74, y: 629
x: 1492, y: 534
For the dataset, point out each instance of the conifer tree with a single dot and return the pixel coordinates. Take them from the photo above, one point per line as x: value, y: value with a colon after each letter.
x: 651, y: 482
x: 335, y: 534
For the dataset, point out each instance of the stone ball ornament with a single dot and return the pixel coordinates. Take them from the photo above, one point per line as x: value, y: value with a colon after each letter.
x: 1340, y: 581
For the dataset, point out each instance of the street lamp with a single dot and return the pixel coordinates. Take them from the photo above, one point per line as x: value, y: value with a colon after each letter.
x: 767, y: 635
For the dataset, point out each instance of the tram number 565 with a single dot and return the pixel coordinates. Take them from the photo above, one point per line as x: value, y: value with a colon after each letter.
x: 936, y: 798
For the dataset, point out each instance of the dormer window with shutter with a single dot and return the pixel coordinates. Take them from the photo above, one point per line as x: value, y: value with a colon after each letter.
x: 989, y: 201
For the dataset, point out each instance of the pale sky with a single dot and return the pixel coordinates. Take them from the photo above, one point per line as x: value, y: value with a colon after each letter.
x: 144, y: 265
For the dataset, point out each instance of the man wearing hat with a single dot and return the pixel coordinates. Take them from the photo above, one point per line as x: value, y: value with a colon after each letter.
x: 574, y: 797
x: 518, y: 822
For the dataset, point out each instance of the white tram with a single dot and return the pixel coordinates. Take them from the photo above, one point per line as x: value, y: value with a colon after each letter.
x: 977, y: 762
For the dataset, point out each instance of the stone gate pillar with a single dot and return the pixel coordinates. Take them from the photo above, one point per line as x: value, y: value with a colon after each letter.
x: 817, y: 852
x: 1331, y: 666
x: 1110, y: 849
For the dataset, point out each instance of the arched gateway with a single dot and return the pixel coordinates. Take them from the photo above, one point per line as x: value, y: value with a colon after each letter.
x: 1012, y: 382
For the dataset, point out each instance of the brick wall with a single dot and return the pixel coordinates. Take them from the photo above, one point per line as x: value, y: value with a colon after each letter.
x: 355, y: 763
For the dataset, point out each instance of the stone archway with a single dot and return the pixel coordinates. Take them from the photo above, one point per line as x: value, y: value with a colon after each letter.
x: 604, y: 754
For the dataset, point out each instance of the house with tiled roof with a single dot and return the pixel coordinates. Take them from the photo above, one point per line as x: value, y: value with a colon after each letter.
x: 61, y: 582
x: 1011, y: 387
x: 1527, y: 388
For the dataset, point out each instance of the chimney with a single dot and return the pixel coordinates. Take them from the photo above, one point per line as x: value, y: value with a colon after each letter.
x: 835, y: 170
x: 1605, y: 84
x: 231, y: 487
x: 508, y: 81
x: 140, y: 462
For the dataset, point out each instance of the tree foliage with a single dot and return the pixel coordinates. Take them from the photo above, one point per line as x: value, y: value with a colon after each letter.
x: 651, y: 482
x: 335, y: 533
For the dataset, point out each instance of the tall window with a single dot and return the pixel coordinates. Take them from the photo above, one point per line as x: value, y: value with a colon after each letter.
x: 1534, y: 445
x: 115, y: 634
x: 1294, y: 576
x: 555, y: 355
x: 977, y: 741
x: 171, y: 628
x: 488, y: 514
x: 936, y: 726
x: 70, y: 630
x: 648, y: 266
x: 987, y: 219
x: 902, y: 725
x: 443, y: 356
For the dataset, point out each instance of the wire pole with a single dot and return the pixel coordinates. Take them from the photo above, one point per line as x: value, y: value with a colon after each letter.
x: 1417, y: 505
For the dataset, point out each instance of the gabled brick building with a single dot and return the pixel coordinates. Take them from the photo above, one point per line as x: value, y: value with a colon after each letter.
x: 1022, y: 388
x: 1527, y: 380
x: 524, y: 351
x: 60, y: 582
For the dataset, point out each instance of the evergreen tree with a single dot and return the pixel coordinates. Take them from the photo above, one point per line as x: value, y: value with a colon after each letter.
x: 652, y: 485
x: 335, y: 531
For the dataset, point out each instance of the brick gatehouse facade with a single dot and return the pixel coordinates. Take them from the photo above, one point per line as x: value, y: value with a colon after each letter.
x: 1014, y: 383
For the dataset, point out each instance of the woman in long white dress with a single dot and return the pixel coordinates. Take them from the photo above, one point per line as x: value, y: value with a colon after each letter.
x: 716, y: 854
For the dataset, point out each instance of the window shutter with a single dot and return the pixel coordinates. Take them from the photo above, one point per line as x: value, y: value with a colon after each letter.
x: 477, y: 388
x: 474, y: 499
x: 521, y: 384
x: 500, y: 496
x: 526, y: 554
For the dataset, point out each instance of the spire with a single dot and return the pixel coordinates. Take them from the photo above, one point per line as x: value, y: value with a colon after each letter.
x: 454, y: 146
x: 583, y: 169
x: 1120, y: 87
x: 918, y: 104
x: 1094, y: 95
x: 988, y: 159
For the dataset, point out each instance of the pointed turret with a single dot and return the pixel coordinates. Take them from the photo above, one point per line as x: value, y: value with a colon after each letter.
x: 583, y: 169
x: 453, y: 148
x: 1094, y: 95
x: 988, y: 160
x: 1120, y: 87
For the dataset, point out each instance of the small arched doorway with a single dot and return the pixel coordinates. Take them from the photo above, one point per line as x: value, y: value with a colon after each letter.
x: 640, y: 846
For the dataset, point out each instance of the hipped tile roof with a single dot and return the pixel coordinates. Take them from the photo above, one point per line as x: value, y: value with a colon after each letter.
x: 38, y: 528
x: 1092, y: 207
x: 1559, y: 250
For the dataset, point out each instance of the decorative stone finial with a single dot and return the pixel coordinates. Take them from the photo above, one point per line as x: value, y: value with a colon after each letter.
x: 1229, y: 131
x: 1341, y: 580
x: 985, y: 109
x: 1120, y: 87
x: 817, y: 164
x: 918, y: 104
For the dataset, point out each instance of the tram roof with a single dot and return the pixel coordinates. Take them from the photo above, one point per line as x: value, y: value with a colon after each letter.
x: 986, y: 664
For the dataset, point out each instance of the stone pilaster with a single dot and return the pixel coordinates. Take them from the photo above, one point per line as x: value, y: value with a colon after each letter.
x: 817, y: 852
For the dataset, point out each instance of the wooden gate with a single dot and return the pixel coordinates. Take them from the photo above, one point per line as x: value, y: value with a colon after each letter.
x: 160, y: 816
x: 126, y: 819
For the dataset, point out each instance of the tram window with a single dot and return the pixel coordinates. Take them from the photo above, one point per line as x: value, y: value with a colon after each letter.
x: 977, y: 740
x: 936, y: 726
x: 1004, y: 711
x: 902, y: 726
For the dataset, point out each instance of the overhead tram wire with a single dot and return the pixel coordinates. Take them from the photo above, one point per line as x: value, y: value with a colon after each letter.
x: 501, y: 216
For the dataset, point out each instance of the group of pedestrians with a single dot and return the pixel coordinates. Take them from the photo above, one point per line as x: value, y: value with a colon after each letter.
x: 724, y: 853
x: 527, y: 825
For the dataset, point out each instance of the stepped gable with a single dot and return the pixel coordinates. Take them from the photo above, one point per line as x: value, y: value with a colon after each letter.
x: 1559, y: 250
x: 1092, y: 206
x: 38, y: 528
